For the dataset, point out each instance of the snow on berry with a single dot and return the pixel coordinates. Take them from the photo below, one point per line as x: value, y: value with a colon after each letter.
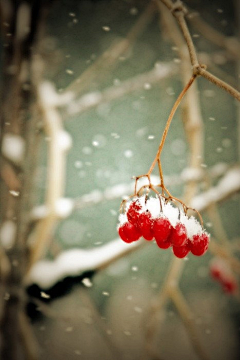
x: 199, y: 244
x: 178, y: 235
x: 145, y: 225
x: 133, y: 212
x: 161, y: 229
x: 153, y: 217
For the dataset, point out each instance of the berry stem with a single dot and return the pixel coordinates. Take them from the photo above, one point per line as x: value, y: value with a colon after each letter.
x: 165, y: 132
x: 157, y: 159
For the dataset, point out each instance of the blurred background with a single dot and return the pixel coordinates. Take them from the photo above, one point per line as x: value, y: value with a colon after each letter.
x: 105, y: 317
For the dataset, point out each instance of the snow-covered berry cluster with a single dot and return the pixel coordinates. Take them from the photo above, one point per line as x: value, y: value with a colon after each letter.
x: 221, y: 272
x: 153, y: 218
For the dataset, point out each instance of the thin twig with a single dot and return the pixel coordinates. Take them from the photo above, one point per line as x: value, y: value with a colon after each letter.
x: 220, y: 83
x: 179, y: 13
x: 165, y: 132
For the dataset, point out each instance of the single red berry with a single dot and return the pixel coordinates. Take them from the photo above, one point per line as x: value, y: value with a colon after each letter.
x: 133, y: 212
x: 215, y: 272
x: 128, y: 232
x: 145, y: 225
x: 163, y: 244
x: 181, y: 251
x: 178, y: 235
x: 229, y: 285
x: 161, y: 229
x: 122, y: 234
x: 199, y: 244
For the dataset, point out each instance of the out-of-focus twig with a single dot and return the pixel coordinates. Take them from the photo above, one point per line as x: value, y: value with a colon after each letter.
x: 94, y: 99
x: 59, y: 143
x: 109, y: 58
x: 231, y: 44
x: 188, y: 319
x: 28, y: 338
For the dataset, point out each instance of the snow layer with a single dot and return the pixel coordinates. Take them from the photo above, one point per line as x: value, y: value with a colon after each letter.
x: 13, y: 147
x: 229, y: 184
x: 172, y: 213
x: 46, y: 273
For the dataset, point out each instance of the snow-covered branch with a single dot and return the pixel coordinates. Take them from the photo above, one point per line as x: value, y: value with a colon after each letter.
x: 59, y: 142
x: 228, y: 185
x: 74, y: 262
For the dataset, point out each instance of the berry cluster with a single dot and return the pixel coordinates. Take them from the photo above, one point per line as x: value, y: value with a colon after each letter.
x: 153, y: 218
x: 221, y: 272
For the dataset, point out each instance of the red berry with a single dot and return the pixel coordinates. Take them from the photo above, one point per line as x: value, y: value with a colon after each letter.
x: 229, y: 285
x: 161, y: 229
x: 122, y: 234
x: 215, y: 273
x: 163, y: 244
x: 145, y: 225
x: 133, y: 212
x: 199, y: 244
x: 181, y: 251
x: 128, y: 232
x: 178, y: 235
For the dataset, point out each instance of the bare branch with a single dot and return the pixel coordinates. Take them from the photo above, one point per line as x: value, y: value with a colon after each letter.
x: 94, y: 99
x: 179, y: 13
x: 188, y: 319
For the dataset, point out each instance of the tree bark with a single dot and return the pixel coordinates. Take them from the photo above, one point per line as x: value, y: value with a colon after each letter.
x: 21, y: 21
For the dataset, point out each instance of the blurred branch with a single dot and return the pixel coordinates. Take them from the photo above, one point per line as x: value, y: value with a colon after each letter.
x: 85, y: 301
x: 74, y: 262
x: 59, y: 144
x: 22, y: 21
x: 223, y: 251
x: 28, y: 338
x: 231, y: 44
x: 188, y: 319
x: 158, y: 303
x: 108, y: 60
x: 226, y: 187
x: 94, y: 99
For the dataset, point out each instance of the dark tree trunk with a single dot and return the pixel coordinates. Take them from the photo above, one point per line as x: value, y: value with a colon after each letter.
x: 20, y: 21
